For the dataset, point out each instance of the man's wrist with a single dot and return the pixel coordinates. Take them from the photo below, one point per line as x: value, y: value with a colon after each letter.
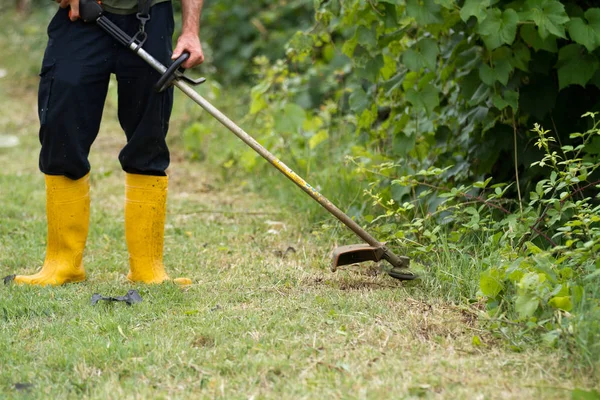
x: 190, y: 34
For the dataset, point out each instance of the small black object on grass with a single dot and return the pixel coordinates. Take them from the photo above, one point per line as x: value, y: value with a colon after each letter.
x: 130, y: 298
x: 23, y: 386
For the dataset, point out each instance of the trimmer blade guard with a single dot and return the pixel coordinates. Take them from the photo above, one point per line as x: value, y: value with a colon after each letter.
x: 355, y: 253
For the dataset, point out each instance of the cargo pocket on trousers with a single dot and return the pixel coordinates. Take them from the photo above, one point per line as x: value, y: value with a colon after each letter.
x: 45, y: 91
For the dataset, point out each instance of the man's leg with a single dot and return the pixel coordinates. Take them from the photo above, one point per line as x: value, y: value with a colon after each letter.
x: 74, y: 81
x: 144, y: 116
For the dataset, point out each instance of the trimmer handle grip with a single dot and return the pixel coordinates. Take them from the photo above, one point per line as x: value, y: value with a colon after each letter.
x: 166, y: 79
x: 89, y: 10
x: 176, y: 72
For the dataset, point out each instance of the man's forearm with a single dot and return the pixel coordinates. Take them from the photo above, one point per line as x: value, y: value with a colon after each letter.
x: 189, y: 40
x: 190, y: 14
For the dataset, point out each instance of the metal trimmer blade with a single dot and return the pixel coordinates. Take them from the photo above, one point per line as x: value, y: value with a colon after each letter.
x: 357, y: 253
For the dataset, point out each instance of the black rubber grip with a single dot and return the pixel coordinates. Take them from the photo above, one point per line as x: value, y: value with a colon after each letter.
x: 89, y: 10
x: 167, y: 78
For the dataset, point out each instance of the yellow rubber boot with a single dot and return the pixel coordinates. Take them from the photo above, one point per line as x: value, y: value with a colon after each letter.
x: 68, y: 214
x: 145, y: 211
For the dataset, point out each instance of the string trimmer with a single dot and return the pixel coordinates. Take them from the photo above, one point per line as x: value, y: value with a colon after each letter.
x: 91, y: 11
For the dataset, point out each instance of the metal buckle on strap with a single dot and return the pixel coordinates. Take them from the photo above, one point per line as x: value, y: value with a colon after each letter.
x: 143, y: 18
x: 138, y: 39
x: 143, y: 15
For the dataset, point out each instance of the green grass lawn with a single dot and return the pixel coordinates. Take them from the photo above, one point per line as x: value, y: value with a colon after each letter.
x: 255, y: 324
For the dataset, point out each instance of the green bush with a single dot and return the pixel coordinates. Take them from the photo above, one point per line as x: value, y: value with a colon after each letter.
x: 443, y: 83
x: 540, y: 268
x: 234, y: 33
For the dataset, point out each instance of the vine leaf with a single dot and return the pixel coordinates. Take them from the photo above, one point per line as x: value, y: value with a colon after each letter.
x: 371, y: 69
x: 500, y: 72
x: 526, y: 305
x: 521, y: 56
x: 575, y: 66
x: 318, y: 138
x: 366, y: 37
x: 548, y: 15
x: 530, y: 35
x: 258, y: 102
x: 425, y: 12
x: 474, y: 8
x: 499, y: 27
x: 426, y: 99
x: 586, y: 32
x: 449, y: 4
x: 490, y: 283
x: 561, y: 302
x: 423, y: 55
x: 359, y: 100
x: 509, y: 98
x: 290, y: 121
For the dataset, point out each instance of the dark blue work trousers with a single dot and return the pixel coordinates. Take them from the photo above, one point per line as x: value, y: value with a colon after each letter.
x: 74, y: 81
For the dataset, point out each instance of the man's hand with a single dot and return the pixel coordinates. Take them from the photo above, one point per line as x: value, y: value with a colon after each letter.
x: 74, y: 4
x: 189, y: 43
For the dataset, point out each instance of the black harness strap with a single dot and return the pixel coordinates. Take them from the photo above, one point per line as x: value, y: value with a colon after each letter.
x: 143, y: 15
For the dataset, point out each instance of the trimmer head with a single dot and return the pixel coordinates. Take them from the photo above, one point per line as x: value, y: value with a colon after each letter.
x: 357, y: 253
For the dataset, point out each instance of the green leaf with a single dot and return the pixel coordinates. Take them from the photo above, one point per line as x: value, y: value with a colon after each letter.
x: 561, y: 302
x: 449, y: 4
x: 425, y: 12
x: 509, y: 98
x: 390, y: 16
x: 586, y: 32
x: 423, y: 55
x: 317, y: 139
x: 582, y: 33
x: 521, y: 56
x: 258, y: 102
x: 499, y: 27
x: 490, y: 283
x: 290, y: 121
x: 526, y: 305
x: 372, y: 69
x: 367, y: 117
x: 548, y: 15
x: 512, y: 98
x: 349, y: 46
x: 499, y: 102
x: 426, y: 99
x: 531, y: 36
x: 359, y: 100
x: 389, y: 68
x: 248, y: 159
x: 575, y: 66
x: 300, y: 43
x: 366, y: 37
x: 474, y: 8
x: 500, y: 72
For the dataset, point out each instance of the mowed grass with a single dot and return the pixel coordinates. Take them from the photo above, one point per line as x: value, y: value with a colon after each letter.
x: 260, y: 321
